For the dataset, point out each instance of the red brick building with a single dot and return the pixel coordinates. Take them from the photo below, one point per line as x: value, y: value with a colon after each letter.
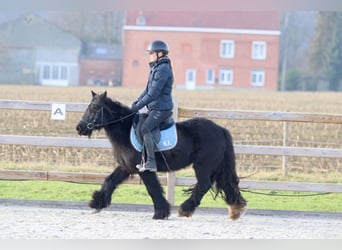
x: 208, y: 49
x: 100, y: 64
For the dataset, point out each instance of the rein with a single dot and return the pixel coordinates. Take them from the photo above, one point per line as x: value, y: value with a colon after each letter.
x: 92, y: 125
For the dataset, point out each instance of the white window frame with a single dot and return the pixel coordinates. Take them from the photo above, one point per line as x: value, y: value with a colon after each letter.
x: 258, y: 78
x: 54, y: 73
x: 63, y: 72
x: 259, y: 50
x: 190, y: 78
x: 227, y: 49
x: 45, y: 69
x: 226, y: 76
x: 210, y: 76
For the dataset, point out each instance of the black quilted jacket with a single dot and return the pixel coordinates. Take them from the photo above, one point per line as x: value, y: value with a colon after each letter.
x: 157, y: 94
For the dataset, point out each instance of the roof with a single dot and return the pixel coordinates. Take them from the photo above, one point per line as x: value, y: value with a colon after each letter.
x: 262, y: 20
x: 31, y: 30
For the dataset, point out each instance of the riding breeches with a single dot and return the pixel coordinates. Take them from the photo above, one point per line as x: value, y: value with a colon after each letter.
x: 153, y: 120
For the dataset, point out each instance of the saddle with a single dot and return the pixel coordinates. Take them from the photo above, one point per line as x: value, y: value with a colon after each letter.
x: 164, y: 136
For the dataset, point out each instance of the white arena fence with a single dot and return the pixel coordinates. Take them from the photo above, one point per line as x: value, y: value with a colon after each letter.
x: 171, y: 180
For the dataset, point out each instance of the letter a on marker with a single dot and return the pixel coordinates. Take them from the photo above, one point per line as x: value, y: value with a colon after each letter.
x: 58, y: 111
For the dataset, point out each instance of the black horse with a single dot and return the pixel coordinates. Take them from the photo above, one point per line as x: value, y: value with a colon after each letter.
x: 201, y: 142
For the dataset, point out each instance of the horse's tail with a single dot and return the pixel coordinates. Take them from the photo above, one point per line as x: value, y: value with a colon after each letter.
x: 226, y: 178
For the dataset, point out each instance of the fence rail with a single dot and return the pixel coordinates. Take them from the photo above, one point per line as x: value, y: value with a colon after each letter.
x: 104, y: 143
x: 171, y: 180
x: 260, y: 115
x: 95, y: 178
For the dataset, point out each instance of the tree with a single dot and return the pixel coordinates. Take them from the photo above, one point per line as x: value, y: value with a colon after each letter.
x: 325, y: 57
x: 104, y: 27
x: 297, y: 29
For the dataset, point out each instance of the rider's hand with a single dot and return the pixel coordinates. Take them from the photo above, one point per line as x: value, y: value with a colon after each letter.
x: 135, y: 108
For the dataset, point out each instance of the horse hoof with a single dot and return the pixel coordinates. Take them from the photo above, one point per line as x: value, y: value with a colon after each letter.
x: 100, y: 200
x: 96, y: 211
x: 159, y: 218
x: 182, y: 213
x: 161, y: 215
x: 236, y: 211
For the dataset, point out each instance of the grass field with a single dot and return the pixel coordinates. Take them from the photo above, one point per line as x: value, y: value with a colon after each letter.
x: 137, y: 194
x: 244, y: 132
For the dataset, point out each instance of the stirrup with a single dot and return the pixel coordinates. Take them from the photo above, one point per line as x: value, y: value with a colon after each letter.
x: 143, y: 167
x: 139, y: 166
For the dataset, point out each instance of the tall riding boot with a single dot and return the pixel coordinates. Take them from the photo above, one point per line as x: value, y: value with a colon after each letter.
x: 150, y: 164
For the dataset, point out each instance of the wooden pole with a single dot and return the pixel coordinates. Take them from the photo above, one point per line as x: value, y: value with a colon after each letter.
x: 285, y: 143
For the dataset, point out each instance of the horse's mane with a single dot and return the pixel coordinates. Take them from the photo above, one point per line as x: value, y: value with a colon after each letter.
x: 118, y: 115
x: 115, y: 107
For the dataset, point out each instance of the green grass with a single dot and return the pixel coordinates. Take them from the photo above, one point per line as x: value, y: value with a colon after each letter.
x: 136, y: 194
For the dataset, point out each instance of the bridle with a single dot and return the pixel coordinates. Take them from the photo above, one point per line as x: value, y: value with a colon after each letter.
x: 93, y: 124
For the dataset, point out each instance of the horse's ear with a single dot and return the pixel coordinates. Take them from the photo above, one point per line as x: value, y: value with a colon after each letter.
x: 93, y: 93
x: 104, y: 95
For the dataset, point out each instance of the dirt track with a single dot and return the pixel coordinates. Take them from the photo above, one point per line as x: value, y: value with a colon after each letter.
x: 44, y: 221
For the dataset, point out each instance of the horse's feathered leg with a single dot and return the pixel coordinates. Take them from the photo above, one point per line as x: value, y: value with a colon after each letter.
x: 155, y: 190
x: 204, y: 183
x: 227, y: 181
x: 103, y: 197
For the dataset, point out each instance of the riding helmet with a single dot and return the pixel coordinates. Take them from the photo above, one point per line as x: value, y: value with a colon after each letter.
x: 158, y: 46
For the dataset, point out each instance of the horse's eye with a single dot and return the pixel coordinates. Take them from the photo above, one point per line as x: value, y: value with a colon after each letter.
x: 93, y: 106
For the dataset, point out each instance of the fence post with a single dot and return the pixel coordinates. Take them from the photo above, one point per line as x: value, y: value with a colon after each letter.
x: 171, y: 184
x: 285, y: 143
x: 171, y: 176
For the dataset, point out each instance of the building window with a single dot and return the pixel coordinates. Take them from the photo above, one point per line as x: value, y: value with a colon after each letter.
x: 226, y: 76
x: 46, y: 71
x: 141, y: 20
x: 190, y: 79
x: 186, y: 49
x: 259, y: 50
x: 190, y: 75
x: 210, y: 76
x: 258, y: 78
x: 54, y: 72
x: 227, y: 49
x: 101, y: 51
x: 64, y: 73
x: 135, y: 63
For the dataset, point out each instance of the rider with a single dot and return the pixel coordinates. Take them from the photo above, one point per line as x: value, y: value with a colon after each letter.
x: 156, y: 97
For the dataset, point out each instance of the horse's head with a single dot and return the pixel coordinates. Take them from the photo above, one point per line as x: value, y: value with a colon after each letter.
x: 93, y: 116
x: 102, y: 112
